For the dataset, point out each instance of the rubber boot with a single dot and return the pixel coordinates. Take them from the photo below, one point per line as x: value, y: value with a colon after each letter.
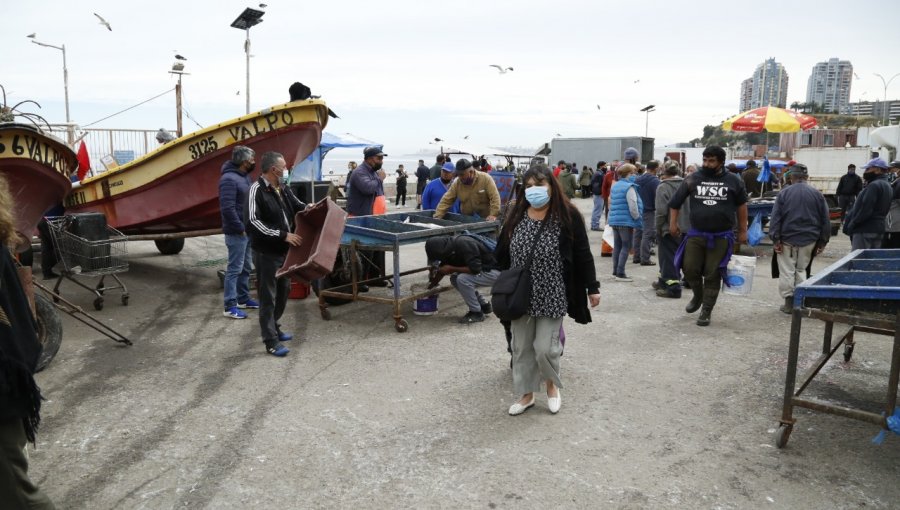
x: 788, y: 305
x: 697, y: 300
x: 705, y: 315
x: 710, y: 296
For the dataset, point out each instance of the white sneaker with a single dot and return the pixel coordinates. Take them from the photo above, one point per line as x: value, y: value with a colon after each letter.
x: 554, y: 403
x: 517, y: 408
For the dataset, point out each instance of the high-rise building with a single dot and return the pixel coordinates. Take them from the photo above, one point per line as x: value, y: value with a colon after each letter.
x: 770, y: 84
x: 746, y: 94
x: 829, y: 85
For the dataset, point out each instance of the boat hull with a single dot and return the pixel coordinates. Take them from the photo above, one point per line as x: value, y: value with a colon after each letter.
x: 175, y: 189
x: 36, y: 167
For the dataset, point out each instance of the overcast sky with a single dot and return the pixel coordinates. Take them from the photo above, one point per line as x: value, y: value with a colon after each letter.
x: 403, y: 72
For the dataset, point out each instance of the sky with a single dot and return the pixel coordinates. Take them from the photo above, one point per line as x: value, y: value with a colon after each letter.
x: 405, y: 72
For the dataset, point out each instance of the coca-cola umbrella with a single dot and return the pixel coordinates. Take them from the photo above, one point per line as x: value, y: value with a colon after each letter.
x: 770, y: 119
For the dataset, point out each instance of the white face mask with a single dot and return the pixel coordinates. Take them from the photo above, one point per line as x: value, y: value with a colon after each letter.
x: 285, y: 176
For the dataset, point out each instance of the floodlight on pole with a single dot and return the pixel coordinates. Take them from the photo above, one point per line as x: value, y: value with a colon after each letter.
x: 249, y: 18
x: 647, y: 110
x: 69, y: 131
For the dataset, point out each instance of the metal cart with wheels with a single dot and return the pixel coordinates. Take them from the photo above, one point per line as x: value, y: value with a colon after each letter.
x: 862, y: 290
x: 366, y: 235
x: 102, y: 256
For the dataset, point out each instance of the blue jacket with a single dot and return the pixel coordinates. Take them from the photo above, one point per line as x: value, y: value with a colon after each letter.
x: 433, y: 193
x: 647, y: 184
x: 619, y: 215
x: 233, y: 187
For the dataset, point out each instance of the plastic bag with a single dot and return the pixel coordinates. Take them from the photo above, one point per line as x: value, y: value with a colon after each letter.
x: 755, y: 234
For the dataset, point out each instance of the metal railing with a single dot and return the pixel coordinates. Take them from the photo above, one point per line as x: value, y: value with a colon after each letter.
x: 122, y: 145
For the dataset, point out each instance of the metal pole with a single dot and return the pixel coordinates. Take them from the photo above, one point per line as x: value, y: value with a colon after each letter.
x: 884, y: 104
x: 70, y: 135
x: 247, y: 51
x: 178, y: 106
x: 647, y: 124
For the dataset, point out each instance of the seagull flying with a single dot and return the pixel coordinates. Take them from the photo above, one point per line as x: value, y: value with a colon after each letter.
x: 237, y: 93
x: 32, y: 35
x: 637, y: 81
x: 466, y: 137
x: 179, y: 57
x: 438, y: 140
x: 503, y: 70
x: 262, y: 6
x: 557, y: 134
x: 103, y: 22
x: 598, y: 107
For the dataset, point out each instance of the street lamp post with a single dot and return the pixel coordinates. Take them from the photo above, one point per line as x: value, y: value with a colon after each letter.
x: 886, y: 85
x: 248, y: 19
x: 647, y: 110
x: 70, y: 135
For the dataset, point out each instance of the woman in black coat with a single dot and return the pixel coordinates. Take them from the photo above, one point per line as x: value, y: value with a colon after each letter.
x: 544, y: 222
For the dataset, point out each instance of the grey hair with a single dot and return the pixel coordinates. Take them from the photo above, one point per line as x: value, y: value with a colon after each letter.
x: 269, y: 159
x: 241, y: 154
x: 672, y: 168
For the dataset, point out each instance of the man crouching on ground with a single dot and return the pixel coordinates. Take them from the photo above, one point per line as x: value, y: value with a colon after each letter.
x: 270, y: 222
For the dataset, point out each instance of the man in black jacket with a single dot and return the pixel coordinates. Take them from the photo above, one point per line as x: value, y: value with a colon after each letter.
x: 471, y: 265
x: 848, y: 188
x: 865, y: 221
x: 270, y: 223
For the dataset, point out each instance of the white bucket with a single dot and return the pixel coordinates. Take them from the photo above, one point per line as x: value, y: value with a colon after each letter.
x: 740, y: 275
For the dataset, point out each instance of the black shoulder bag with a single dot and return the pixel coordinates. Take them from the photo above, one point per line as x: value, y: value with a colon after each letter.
x: 511, y: 293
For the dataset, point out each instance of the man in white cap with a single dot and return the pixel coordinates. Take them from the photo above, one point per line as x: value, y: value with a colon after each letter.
x: 865, y: 223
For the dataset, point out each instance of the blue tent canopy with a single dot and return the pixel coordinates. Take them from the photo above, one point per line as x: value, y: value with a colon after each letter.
x: 741, y: 164
x: 310, y: 169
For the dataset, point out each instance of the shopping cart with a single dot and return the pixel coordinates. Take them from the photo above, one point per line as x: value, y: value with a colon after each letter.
x: 89, y: 250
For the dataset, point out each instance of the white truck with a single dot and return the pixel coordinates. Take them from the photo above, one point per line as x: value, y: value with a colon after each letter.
x: 828, y: 164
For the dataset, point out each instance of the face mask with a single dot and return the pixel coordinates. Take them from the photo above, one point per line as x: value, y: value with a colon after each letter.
x: 285, y: 176
x: 446, y: 181
x: 376, y: 166
x: 251, y: 168
x: 631, y: 178
x: 870, y: 176
x: 537, y: 196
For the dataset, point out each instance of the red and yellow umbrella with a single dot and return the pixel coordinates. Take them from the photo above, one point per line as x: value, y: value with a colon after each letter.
x: 771, y: 119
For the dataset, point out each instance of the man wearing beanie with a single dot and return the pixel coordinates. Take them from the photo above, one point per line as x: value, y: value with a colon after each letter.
x: 476, y: 191
x: 865, y: 222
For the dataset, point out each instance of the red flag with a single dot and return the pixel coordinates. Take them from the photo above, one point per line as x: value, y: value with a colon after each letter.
x: 84, y: 161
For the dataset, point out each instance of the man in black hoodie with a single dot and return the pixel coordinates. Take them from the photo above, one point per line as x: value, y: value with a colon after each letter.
x: 269, y: 216
x: 847, y: 189
x: 865, y: 221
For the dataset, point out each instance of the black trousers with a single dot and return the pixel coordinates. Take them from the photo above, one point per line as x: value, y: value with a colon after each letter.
x: 49, y: 258
x: 401, y: 192
x: 273, y: 293
x: 845, y: 202
x: 668, y: 275
x: 701, y: 268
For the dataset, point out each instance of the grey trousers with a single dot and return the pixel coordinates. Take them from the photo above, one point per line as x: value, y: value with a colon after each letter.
x: 467, y: 285
x: 16, y: 488
x: 865, y: 241
x: 792, y: 262
x: 648, y: 236
x: 536, y: 352
x: 273, y: 293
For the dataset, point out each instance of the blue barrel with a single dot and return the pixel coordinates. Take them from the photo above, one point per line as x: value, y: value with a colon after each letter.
x: 506, y: 184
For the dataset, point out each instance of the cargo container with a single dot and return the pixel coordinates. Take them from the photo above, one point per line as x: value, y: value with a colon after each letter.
x: 588, y: 151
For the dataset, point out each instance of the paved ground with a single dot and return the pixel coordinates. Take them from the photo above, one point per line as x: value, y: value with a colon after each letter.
x: 656, y: 413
